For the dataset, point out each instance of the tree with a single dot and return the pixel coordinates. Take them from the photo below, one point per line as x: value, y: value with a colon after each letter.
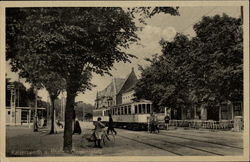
x: 82, y: 109
x: 219, y: 67
x: 71, y: 42
x: 88, y: 116
x: 26, y: 96
x: 54, y: 85
x: 165, y: 81
x: 206, y: 69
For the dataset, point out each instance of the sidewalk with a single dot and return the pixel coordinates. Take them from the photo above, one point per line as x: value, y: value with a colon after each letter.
x: 22, y: 141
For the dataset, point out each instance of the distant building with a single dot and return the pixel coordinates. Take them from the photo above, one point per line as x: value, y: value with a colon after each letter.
x: 23, y: 115
x: 119, y: 91
x: 16, y: 115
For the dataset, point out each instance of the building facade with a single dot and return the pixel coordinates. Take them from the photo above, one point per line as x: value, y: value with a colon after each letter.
x: 119, y: 91
x: 226, y: 111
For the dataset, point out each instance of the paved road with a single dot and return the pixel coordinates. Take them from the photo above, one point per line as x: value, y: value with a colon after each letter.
x: 175, y: 143
x: 23, y: 141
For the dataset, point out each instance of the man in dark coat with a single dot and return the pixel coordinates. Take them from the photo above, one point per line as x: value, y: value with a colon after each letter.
x: 166, y: 119
x: 77, y: 128
x: 110, y: 125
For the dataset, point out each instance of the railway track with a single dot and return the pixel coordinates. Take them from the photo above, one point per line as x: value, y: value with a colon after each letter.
x: 178, y: 144
x: 148, y: 144
x: 220, y: 144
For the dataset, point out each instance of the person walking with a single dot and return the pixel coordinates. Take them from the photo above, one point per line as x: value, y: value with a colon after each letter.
x: 111, y: 126
x: 35, y: 124
x: 77, y: 128
x: 154, y: 124
x: 98, y: 132
x: 166, y: 119
x: 151, y: 123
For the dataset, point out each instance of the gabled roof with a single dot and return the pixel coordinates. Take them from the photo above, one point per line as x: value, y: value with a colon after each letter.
x: 112, y: 89
x: 119, y: 85
x: 130, y: 82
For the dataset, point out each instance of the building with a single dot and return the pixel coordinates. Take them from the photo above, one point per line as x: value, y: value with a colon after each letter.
x: 225, y: 111
x: 119, y: 91
x: 16, y: 115
x: 23, y: 115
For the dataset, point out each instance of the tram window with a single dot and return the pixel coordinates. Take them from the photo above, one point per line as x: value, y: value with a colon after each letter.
x: 129, y: 109
x: 143, y: 108
x: 136, y: 109
x: 140, y: 108
x: 126, y: 110
x: 121, y: 110
x: 148, y: 108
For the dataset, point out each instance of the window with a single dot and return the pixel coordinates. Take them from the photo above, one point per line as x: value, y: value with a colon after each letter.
x: 140, y: 109
x: 121, y: 110
x: 8, y: 112
x: 126, y: 110
x: 129, y: 109
x: 148, y: 108
x: 143, y: 108
x: 136, y: 111
x: 237, y: 109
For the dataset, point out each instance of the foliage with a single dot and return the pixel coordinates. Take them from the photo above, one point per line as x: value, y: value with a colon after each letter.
x: 82, y: 109
x: 69, y: 42
x: 205, y: 69
x: 88, y: 116
x: 144, y: 13
x: 26, y: 96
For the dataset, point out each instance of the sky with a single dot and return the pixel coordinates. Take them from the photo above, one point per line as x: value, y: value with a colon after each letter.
x: 160, y: 26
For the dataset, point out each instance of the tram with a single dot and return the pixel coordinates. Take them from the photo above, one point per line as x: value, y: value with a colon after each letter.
x: 133, y: 116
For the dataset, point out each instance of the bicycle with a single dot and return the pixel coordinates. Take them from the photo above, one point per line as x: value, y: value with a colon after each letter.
x: 104, y: 138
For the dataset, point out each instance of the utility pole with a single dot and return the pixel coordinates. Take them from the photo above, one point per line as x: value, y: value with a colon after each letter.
x: 241, y: 14
x: 48, y: 109
x: 62, y: 107
x: 18, y: 94
x: 12, y: 89
x: 35, y: 121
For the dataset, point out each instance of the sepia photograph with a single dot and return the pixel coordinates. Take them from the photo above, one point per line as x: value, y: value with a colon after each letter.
x: 125, y: 81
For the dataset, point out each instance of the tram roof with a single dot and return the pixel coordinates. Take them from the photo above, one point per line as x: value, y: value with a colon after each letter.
x: 135, y: 102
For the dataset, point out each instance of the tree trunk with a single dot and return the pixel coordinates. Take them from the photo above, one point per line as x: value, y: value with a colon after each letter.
x: 52, y: 116
x: 67, y: 143
x: 35, y: 118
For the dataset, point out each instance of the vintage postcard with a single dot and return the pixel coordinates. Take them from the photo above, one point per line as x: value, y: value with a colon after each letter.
x: 124, y: 80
